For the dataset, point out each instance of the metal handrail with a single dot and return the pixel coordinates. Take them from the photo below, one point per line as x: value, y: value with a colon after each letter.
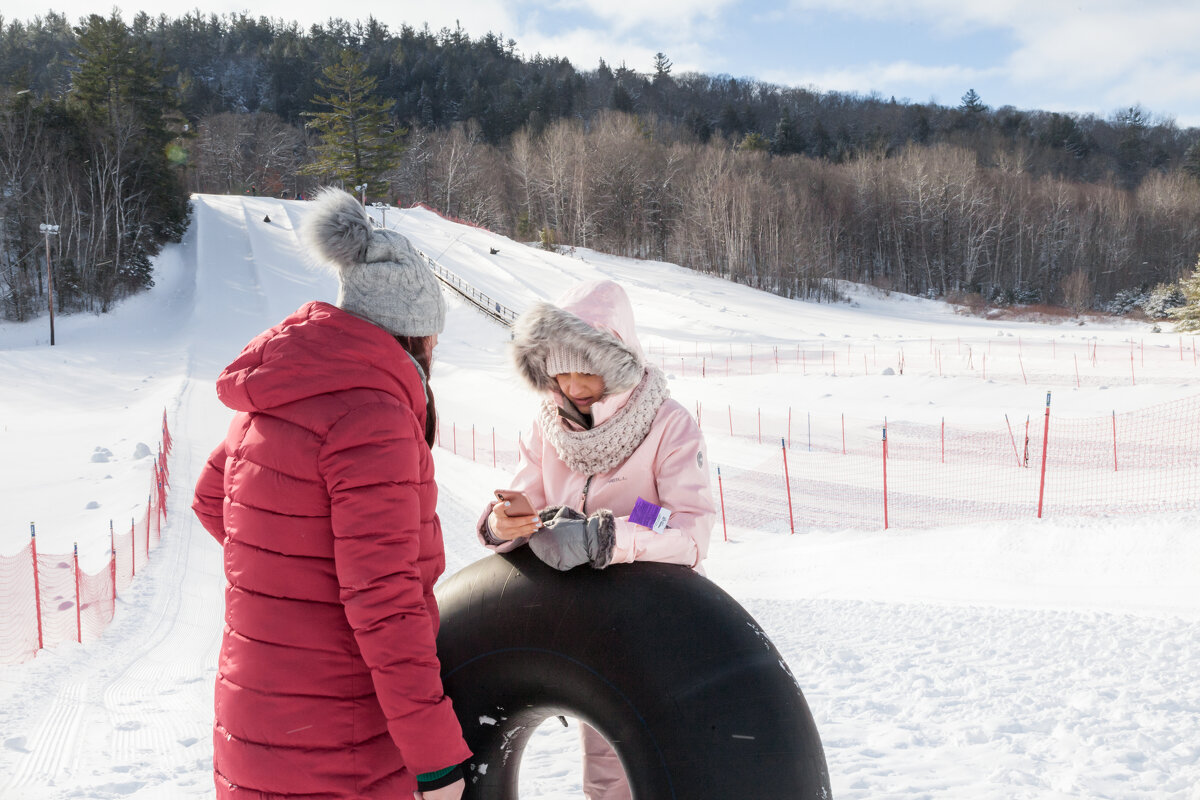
x: 493, y: 308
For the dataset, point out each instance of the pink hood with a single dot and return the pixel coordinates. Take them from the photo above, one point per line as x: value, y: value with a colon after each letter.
x: 669, y: 466
x: 595, y: 319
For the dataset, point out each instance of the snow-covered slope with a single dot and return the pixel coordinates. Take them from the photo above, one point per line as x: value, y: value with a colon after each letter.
x: 1008, y: 660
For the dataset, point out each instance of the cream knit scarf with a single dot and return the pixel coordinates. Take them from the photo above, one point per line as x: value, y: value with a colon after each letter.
x: 600, y: 449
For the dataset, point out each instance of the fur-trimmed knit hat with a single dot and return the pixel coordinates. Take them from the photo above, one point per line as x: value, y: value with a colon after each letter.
x: 549, y: 340
x: 382, y: 278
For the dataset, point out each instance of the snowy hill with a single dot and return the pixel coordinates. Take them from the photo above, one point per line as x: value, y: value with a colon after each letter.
x: 1050, y: 659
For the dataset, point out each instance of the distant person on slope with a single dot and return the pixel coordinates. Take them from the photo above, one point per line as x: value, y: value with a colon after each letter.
x: 323, y: 496
x: 606, y: 434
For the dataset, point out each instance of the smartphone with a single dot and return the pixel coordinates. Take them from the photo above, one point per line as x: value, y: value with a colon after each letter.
x: 520, y: 505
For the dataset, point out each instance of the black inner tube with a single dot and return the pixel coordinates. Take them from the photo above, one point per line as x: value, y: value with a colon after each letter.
x: 670, y: 669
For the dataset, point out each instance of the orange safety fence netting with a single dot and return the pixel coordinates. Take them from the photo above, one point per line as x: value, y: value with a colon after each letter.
x: 46, y: 599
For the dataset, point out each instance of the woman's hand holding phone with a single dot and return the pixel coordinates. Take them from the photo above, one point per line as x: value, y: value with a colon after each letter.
x: 513, y: 516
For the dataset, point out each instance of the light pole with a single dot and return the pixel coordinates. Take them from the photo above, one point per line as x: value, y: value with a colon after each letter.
x: 362, y: 190
x: 48, y: 231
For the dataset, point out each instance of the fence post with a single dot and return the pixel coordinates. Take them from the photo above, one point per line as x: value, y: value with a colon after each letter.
x: 166, y: 437
x: 37, y: 588
x: 1012, y: 439
x: 788, y: 484
x: 1045, y: 442
x: 885, y: 495
x: 1114, y: 421
x: 112, y: 562
x: 149, y: 511
x: 78, y: 616
x: 721, y: 494
x: 730, y: 407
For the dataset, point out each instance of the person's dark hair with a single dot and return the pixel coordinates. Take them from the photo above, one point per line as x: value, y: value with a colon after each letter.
x: 421, y: 349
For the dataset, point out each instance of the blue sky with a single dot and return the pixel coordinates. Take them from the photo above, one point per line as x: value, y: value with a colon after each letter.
x: 1085, y: 56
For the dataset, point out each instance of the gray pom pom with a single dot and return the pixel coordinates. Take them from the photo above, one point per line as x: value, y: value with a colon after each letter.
x: 337, y: 229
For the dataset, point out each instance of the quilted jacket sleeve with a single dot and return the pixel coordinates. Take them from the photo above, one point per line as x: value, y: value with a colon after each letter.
x: 371, y: 463
x: 209, y: 500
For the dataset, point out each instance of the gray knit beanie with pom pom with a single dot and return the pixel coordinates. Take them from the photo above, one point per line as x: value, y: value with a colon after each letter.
x: 382, y: 277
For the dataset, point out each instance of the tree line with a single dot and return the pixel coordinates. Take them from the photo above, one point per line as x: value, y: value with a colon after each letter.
x: 782, y: 188
x: 93, y: 160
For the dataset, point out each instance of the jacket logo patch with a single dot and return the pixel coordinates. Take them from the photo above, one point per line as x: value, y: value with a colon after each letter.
x: 700, y: 459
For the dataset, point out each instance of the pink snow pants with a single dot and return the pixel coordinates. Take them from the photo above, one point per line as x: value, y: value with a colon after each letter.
x: 603, y: 777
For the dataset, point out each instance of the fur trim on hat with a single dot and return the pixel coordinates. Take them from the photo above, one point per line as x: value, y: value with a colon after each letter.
x: 545, y: 328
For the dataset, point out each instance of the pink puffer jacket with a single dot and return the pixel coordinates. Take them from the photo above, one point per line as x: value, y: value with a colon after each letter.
x: 668, y: 468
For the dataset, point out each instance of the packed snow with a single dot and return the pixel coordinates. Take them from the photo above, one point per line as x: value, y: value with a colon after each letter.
x: 1051, y: 658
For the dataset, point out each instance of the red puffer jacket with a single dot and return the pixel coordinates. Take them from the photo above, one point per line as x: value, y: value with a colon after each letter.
x: 323, y: 497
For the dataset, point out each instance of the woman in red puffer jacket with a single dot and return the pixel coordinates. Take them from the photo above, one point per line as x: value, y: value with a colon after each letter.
x: 323, y: 497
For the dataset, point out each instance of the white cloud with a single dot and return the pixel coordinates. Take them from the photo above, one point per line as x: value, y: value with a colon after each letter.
x: 900, y: 78
x: 629, y: 15
x: 1098, y: 55
x: 584, y: 47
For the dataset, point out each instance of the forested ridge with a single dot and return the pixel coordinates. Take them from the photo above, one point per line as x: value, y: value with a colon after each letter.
x: 106, y: 124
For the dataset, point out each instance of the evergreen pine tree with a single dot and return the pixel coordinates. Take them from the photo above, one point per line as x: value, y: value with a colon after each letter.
x: 359, y: 142
x: 1188, y: 317
x: 754, y: 142
x: 971, y: 103
x: 621, y: 99
x: 662, y: 69
x: 788, y: 139
x: 120, y: 95
x: 118, y: 75
x: 1191, y: 160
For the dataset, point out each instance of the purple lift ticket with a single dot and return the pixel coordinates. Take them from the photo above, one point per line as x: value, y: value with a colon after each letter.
x: 649, y: 515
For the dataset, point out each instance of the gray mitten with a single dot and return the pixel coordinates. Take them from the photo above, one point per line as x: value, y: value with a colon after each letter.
x: 568, y: 539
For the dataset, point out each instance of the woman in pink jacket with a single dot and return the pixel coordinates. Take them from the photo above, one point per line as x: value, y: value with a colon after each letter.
x: 607, y: 433
x: 322, y: 496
